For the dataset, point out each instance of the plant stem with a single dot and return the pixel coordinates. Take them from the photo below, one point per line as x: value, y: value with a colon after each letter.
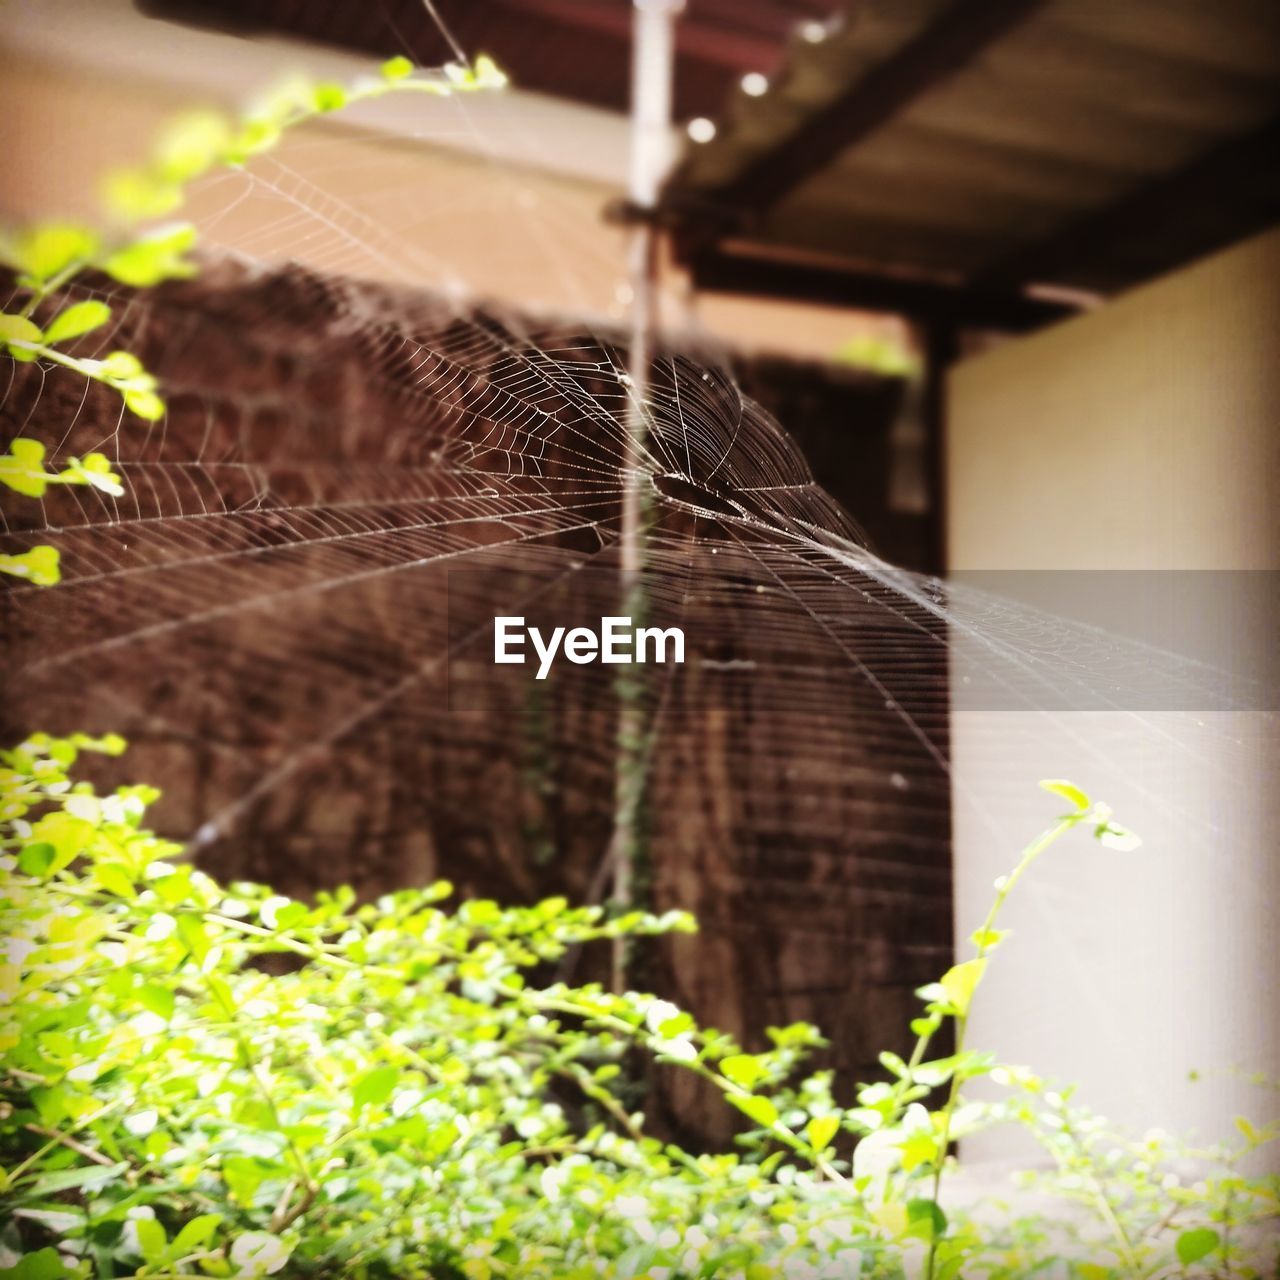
x: 1004, y: 886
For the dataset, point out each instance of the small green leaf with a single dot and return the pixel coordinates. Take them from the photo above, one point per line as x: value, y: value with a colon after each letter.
x: 1196, y: 1244
x: 192, y: 932
x: 960, y: 982
x: 137, y: 194
x: 38, y: 566
x: 152, y: 1240
x: 19, y: 329
x: 744, y: 1069
x: 121, y: 365
x: 49, y: 250
x: 22, y: 468
x: 988, y: 939
x: 190, y: 145
x: 146, y: 404
x: 78, y: 319
x: 918, y: 1149
x: 36, y: 859
x: 194, y: 1235
x: 398, y: 68
x: 374, y: 1087
x: 328, y: 97
x: 761, y: 1110
x: 157, y: 999
x: 925, y: 1219
x: 81, y: 1179
x: 154, y: 257
x: 44, y: 1264
x: 1067, y: 790
x: 821, y: 1130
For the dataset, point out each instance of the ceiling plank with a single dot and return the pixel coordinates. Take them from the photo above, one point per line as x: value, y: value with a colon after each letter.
x: 1236, y: 187
x: 831, y: 284
x: 950, y: 42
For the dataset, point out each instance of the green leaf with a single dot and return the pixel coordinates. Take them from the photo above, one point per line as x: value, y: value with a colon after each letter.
x: 328, y: 97
x: 121, y: 365
x: 115, y: 879
x: 154, y: 257
x: 190, y: 145
x: 1196, y: 1244
x: 146, y: 404
x: 821, y: 1130
x: 78, y: 319
x: 36, y: 859
x: 925, y: 1219
x: 918, y: 1149
x: 1067, y: 790
x: 744, y: 1069
x: 137, y: 194
x: 22, y: 468
x: 19, y: 329
x: 194, y: 1235
x: 38, y: 566
x: 47, y: 251
x: 761, y: 1110
x: 157, y: 999
x: 988, y: 939
x: 374, y: 1087
x: 960, y: 982
x: 152, y: 1240
x: 15, y: 329
x: 45, y: 1264
x: 192, y: 932
x: 95, y: 1175
x: 398, y: 68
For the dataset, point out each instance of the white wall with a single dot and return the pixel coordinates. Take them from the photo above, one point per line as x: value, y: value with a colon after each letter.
x: 1144, y: 436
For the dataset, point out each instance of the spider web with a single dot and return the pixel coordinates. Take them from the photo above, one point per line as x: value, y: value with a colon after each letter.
x: 289, y: 613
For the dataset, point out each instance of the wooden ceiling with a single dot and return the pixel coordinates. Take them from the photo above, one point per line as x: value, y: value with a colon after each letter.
x: 936, y: 157
x: 967, y: 149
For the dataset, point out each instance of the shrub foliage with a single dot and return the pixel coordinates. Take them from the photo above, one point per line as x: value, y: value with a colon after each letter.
x: 206, y: 1080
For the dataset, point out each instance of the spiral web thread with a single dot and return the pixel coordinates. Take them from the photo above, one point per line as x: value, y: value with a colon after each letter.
x: 287, y: 614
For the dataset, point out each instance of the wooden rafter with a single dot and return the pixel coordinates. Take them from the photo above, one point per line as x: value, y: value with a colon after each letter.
x: 953, y: 40
x: 1237, y: 185
x: 763, y: 275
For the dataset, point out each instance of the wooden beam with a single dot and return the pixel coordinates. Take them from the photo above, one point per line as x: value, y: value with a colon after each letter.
x: 834, y: 285
x: 959, y: 35
x: 1226, y: 195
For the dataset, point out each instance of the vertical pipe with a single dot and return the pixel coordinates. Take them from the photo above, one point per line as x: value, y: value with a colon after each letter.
x: 653, y: 28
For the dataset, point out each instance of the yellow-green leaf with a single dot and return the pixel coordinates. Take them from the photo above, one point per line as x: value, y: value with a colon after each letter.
x: 821, y: 1130
x: 398, y: 68
x: 761, y: 1110
x: 1067, y: 790
x: 960, y: 982
x: 47, y: 251
x: 38, y: 566
x: 78, y: 319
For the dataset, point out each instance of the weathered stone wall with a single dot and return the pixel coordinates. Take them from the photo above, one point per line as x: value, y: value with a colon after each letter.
x: 266, y: 617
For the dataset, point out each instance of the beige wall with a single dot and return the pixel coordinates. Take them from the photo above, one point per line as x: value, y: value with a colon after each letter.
x: 1143, y: 436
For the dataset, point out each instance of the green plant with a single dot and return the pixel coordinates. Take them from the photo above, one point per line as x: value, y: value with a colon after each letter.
x: 139, y: 251
x: 208, y: 1080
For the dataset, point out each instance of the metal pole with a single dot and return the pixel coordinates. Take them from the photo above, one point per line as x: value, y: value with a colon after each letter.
x: 653, y: 46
